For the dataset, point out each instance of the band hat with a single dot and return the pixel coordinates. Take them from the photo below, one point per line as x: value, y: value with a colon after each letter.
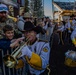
x: 28, y: 26
x: 3, y: 7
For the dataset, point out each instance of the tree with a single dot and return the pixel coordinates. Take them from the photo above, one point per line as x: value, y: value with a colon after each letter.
x: 36, y: 6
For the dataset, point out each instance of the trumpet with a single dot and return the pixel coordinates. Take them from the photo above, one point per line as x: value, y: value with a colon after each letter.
x: 11, y: 60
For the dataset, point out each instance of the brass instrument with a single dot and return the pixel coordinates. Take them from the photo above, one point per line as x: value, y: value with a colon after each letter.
x: 11, y: 60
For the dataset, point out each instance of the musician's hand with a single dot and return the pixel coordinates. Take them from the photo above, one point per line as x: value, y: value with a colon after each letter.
x: 16, y: 42
x: 26, y: 51
x: 16, y: 45
x: 20, y: 64
x: 20, y: 39
x: 13, y: 40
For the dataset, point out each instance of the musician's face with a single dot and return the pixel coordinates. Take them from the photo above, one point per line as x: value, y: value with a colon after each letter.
x: 31, y: 35
x: 9, y: 34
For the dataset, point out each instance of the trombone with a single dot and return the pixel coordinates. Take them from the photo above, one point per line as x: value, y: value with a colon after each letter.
x: 11, y: 60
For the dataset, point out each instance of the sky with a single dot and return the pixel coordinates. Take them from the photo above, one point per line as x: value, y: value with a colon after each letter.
x: 48, y: 6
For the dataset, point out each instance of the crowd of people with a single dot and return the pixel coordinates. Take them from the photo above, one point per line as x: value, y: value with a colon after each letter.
x: 36, y: 34
x: 35, y: 54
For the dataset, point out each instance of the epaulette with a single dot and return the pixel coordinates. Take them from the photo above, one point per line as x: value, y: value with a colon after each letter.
x: 40, y: 40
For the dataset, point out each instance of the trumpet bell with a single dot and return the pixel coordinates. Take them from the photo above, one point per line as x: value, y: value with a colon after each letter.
x: 9, y: 61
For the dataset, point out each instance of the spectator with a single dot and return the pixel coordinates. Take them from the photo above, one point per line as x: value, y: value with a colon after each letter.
x: 6, y: 44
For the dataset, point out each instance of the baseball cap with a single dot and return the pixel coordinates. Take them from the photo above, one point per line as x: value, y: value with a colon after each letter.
x: 3, y: 7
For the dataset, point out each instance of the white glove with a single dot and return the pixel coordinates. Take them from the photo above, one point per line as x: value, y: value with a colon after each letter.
x: 26, y: 51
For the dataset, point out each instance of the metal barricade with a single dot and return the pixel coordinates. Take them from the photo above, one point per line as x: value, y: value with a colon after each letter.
x: 12, y: 71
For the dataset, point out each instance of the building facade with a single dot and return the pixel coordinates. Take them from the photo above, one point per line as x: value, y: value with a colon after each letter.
x: 63, y: 10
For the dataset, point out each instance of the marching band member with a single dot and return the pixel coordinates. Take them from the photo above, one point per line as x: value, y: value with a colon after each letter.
x: 36, y: 53
x: 70, y: 59
x: 73, y: 37
x: 60, y: 30
x: 73, y: 22
x: 68, y: 30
